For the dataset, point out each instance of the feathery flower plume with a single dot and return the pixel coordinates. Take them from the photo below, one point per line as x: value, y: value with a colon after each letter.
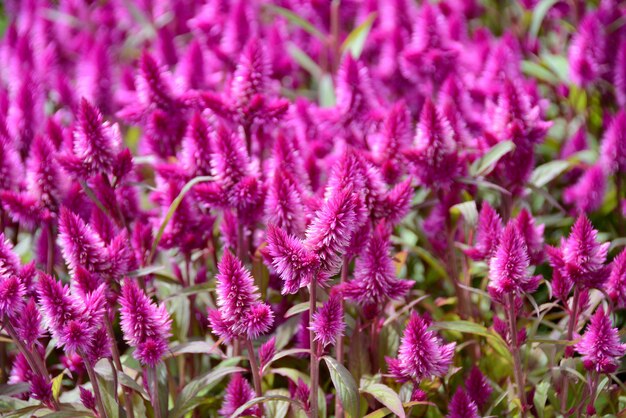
x: 356, y: 100
x: 240, y: 312
x: 587, y: 194
x: 478, y: 389
x: 600, y: 345
x: 293, y: 261
x: 375, y: 279
x: 616, y: 285
x: 80, y: 245
x: 196, y: 148
x: 488, y: 232
x: 328, y: 323
x: 395, y: 137
x: 238, y: 392
x: 146, y: 326
x: 422, y: 353
x: 532, y: 235
x: 266, y: 352
x: 434, y: 152
x: 29, y: 324
x: 508, y: 268
x: 613, y: 145
x: 329, y: 233
x: 462, y: 406
x: 87, y: 399
x: 41, y: 389
x: 396, y: 204
x: 586, y: 52
x: 619, y: 75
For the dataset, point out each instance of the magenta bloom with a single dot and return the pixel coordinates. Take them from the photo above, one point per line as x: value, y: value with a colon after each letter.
x: 375, y: 279
x: 532, y: 235
x: 613, y: 145
x: 478, y: 389
x: 294, y: 262
x: 237, y: 393
x: 616, y: 285
x: 462, y: 406
x: 508, y: 268
x: 600, y: 345
x: 434, y: 153
x: 422, y: 354
x: 329, y: 233
x: 240, y: 312
x: 587, y: 194
x: 580, y: 259
x: 283, y: 204
x: 328, y: 323
x: 266, y: 352
x: 488, y: 233
x: 146, y: 326
x: 586, y: 52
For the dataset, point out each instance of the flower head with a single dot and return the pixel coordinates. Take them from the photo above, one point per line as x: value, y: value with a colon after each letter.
x: 293, y: 261
x: 508, y: 268
x: 238, y: 392
x: 375, y: 279
x: 488, y: 234
x: 613, y: 145
x: 146, y: 326
x: 600, y: 345
x: 531, y: 234
x: 587, y: 194
x: 462, y: 406
x: 80, y: 245
x: 478, y: 389
x: 422, y: 353
x: 586, y: 52
x: 616, y: 285
x: 328, y: 323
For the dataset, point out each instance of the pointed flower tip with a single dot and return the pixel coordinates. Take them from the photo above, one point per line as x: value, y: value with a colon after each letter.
x: 600, y: 345
x: 328, y: 322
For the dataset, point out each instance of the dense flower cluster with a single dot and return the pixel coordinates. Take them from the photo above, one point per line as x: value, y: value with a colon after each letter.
x: 328, y: 208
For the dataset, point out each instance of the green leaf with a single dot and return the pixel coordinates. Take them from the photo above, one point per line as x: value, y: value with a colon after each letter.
x: 345, y: 386
x: 467, y: 210
x: 127, y: 381
x: 286, y: 353
x: 385, y: 395
x: 558, y: 64
x: 69, y: 414
x: 304, y: 60
x: 383, y: 412
x: 327, y: 91
x: 192, y: 347
x: 193, y: 290
x: 263, y: 399
x: 172, y: 209
x: 56, y: 385
x: 356, y: 39
x: 539, y: 13
x: 299, y: 308
x: 297, y: 20
x: 539, y: 72
x: 541, y: 396
x: 145, y: 271
x: 487, y: 163
x: 547, y: 172
x: 184, y: 400
x: 432, y: 261
x: 14, y: 389
x: 468, y: 327
x: 276, y: 408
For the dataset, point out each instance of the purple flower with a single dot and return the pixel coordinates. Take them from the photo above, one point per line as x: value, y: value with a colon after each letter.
x: 12, y: 293
x: 434, y: 152
x: 301, y: 392
x: 29, y: 324
x: 328, y: 323
x: 9, y: 261
x: 587, y: 194
x: 266, y: 352
x: 237, y: 393
x: 586, y: 51
x: 508, y: 268
x: 580, y: 259
x: 87, y: 398
x: 616, y: 285
x: 80, y: 245
x: 240, y: 312
x: 283, y: 204
x: 462, y: 406
x: 96, y: 143
x: 532, y: 235
x: 293, y: 261
x: 488, y: 232
x: 329, y: 233
x: 478, y: 388
x: 196, y: 148
x: 619, y: 75
x: 146, y: 326
x: 375, y: 279
x: 600, y: 345
x: 41, y: 389
x: 422, y: 353
x: 613, y: 145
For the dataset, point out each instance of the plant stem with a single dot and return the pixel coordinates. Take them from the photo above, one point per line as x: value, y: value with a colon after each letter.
x: 315, y: 366
x: 36, y: 366
x: 519, y: 375
x: 571, y: 327
x: 95, y: 385
x: 254, y: 365
x: 50, y: 260
x: 128, y: 404
x: 153, y: 383
x: 339, y: 345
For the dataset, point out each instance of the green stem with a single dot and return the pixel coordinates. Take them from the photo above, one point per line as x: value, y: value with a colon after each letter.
x: 519, y: 375
x: 254, y: 365
x: 315, y: 366
x: 95, y: 385
x: 128, y: 404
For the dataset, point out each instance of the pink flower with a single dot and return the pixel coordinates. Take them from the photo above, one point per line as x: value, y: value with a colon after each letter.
x: 616, y: 285
x: 508, y: 268
x: 488, y: 232
x: 375, y: 279
x: 328, y: 323
x: 462, y: 406
x: 422, y: 353
x: 586, y: 51
x: 600, y: 345
x: 587, y: 194
x: 532, y: 235
x: 478, y: 388
x: 146, y: 326
x: 293, y: 261
x: 237, y: 393
x: 240, y: 312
